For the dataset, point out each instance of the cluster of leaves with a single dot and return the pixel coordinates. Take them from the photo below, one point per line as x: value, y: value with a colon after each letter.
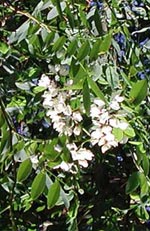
x: 103, y: 48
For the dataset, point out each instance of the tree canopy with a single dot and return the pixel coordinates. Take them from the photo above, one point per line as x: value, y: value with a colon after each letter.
x: 74, y: 115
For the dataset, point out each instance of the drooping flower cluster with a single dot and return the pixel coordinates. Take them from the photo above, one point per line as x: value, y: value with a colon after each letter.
x: 108, y: 128
x: 64, y: 119
x: 105, y: 121
x: 78, y: 154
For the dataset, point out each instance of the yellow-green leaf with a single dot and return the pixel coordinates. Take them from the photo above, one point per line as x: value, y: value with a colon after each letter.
x: 53, y: 194
x: 24, y: 170
x: 138, y: 92
x: 83, y: 51
x: 38, y: 185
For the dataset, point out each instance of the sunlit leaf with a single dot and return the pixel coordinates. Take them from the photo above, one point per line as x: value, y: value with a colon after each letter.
x: 95, y: 88
x: 86, y: 97
x: 138, y: 92
x: 38, y: 185
x: 83, y: 50
x: 24, y: 170
x: 53, y: 194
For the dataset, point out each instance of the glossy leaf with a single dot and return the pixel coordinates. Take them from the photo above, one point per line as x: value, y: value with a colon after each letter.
x: 133, y: 182
x: 129, y: 131
x: 59, y: 43
x: 83, y: 51
x: 24, y: 170
x: 143, y: 185
x: 95, y: 88
x: 138, y: 92
x: 145, y: 164
x: 86, y: 97
x: 95, y: 50
x: 53, y: 194
x: 118, y: 133
x: 72, y: 47
x: 105, y: 44
x: 38, y: 185
x: 4, y: 48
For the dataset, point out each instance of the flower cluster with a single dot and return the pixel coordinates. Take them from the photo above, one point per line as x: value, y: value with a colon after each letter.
x: 64, y: 119
x: 106, y: 122
x: 108, y: 127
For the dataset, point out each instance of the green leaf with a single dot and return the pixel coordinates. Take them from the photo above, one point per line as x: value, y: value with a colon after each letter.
x: 143, y: 185
x: 95, y: 50
x: 59, y: 43
x: 105, y: 44
x: 145, y: 164
x: 133, y: 182
x: 142, y: 213
x: 129, y: 132
x: 138, y: 92
x: 38, y: 89
x: 95, y: 88
x: 38, y: 185
x: 86, y: 97
x: 72, y: 47
x: 4, y: 48
x: 70, y: 17
x: 24, y: 170
x: 53, y: 194
x: 118, y: 133
x: 83, y: 51
x: 60, y: 8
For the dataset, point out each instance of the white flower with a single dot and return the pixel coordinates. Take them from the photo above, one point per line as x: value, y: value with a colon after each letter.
x: 109, y: 137
x: 67, y: 131
x: 76, y: 116
x: 95, y: 111
x: 115, y: 105
x: 67, y: 110
x: 116, y: 123
x: 113, y: 122
x: 59, y: 126
x: 106, y: 129
x: 77, y: 130
x: 123, y: 125
x: 99, y: 102
x: 115, y: 102
x: 53, y: 115
x: 104, y: 117
x: 119, y: 98
x: 97, y: 134
x: 84, y: 154
x: 64, y: 166
x: 105, y: 147
x: 81, y: 155
x: 83, y: 163
x: 60, y: 107
x: 44, y: 81
x: 48, y: 102
x: 102, y: 141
